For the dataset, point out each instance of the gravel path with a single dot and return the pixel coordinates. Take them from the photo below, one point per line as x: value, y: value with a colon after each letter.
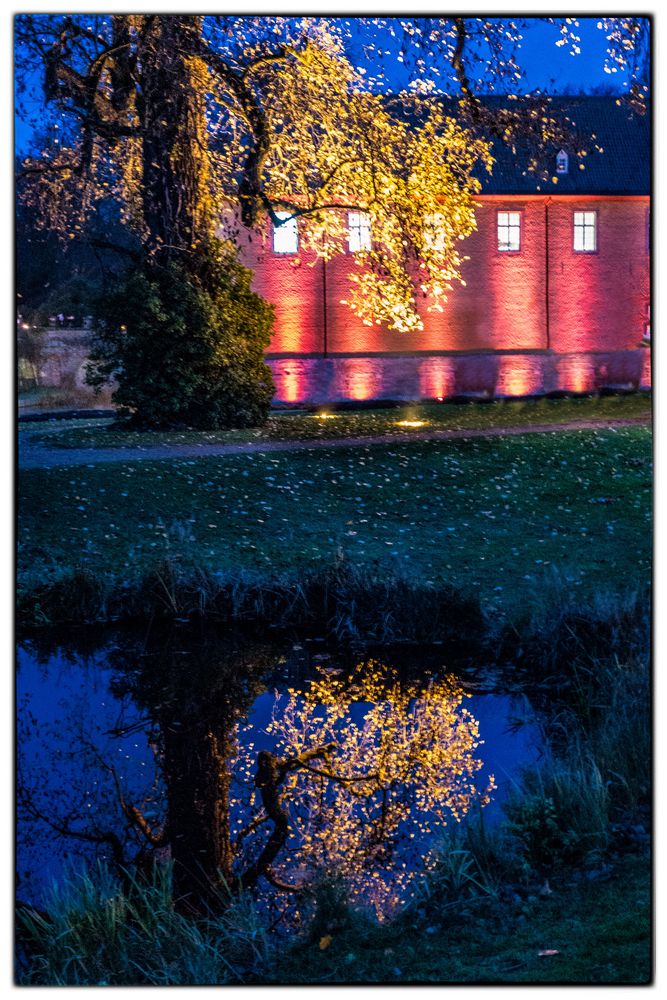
x: 32, y: 456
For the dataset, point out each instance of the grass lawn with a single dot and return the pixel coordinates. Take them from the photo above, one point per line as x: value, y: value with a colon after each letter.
x: 402, y: 421
x: 500, y: 516
x: 600, y: 931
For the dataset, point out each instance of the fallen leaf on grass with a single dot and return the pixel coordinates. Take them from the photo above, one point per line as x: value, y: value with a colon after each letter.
x: 325, y: 941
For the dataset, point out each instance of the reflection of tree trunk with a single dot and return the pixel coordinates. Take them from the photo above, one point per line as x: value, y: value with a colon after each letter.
x: 196, y: 767
x: 195, y: 700
x: 271, y: 772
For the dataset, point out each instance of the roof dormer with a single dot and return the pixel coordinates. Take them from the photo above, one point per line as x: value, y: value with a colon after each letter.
x: 562, y: 162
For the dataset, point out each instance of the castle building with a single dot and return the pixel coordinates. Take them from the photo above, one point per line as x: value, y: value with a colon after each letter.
x: 556, y: 295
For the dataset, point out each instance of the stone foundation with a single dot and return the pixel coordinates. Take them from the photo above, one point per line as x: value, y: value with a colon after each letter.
x: 359, y: 378
x: 485, y: 375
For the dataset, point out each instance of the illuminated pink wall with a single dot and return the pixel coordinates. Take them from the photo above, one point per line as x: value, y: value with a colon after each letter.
x: 496, y: 336
x: 598, y: 301
x: 293, y: 284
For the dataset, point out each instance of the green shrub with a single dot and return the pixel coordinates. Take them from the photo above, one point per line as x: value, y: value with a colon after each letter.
x: 186, y: 345
x: 559, y: 814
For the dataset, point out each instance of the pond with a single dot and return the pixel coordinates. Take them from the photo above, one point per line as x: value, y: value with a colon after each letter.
x: 272, y: 764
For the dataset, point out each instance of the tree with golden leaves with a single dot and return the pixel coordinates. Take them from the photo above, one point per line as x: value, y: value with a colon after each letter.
x: 191, y: 131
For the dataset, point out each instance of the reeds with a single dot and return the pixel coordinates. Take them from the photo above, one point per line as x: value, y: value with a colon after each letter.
x: 95, y: 932
x: 341, y: 600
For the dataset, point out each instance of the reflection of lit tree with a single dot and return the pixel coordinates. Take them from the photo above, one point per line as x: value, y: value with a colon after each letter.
x: 360, y: 770
x: 363, y: 770
x: 195, y: 700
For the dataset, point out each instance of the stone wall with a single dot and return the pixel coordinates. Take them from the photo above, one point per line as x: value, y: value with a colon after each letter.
x: 358, y: 378
x: 59, y: 365
x: 484, y: 375
x: 63, y: 356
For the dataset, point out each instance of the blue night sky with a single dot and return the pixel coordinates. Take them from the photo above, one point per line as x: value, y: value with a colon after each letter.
x: 546, y: 66
x: 555, y: 68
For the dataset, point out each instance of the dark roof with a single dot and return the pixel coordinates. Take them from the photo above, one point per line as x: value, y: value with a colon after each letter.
x: 621, y: 164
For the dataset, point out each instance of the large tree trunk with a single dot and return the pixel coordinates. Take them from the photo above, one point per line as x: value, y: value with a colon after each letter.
x: 175, y: 190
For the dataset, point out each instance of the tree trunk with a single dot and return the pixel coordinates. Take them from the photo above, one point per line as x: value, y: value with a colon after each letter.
x: 175, y: 189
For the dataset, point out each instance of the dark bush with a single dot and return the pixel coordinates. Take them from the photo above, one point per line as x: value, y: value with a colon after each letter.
x: 186, y: 344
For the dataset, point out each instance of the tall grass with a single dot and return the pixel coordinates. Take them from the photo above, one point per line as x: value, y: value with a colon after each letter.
x: 586, y: 670
x: 564, y: 642
x: 96, y: 933
x: 345, y: 601
x: 620, y: 738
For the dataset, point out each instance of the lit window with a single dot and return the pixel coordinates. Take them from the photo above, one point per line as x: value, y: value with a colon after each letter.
x: 359, y: 225
x: 434, y: 231
x: 585, y: 232
x: 286, y: 236
x: 562, y: 161
x: 509, y: 231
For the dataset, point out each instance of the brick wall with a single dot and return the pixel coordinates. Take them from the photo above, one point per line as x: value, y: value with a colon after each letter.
x: 294, y: 285
x: 596, y: 302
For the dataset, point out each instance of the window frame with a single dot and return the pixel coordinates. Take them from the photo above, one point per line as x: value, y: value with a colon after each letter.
x: 596, y: 230
x: 359, y: 228
x: 504, y: 251
x: 284, y: 230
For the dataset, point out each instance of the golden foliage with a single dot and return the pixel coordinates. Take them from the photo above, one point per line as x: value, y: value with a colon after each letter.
x: 400, y: 764
x: 277, y: 120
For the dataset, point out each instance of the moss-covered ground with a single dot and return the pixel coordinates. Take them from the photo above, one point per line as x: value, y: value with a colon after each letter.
x: 594, y: 931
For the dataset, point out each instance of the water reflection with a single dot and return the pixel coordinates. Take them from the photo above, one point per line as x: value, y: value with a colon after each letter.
x: 247, y: 767
x: 365, y: 768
